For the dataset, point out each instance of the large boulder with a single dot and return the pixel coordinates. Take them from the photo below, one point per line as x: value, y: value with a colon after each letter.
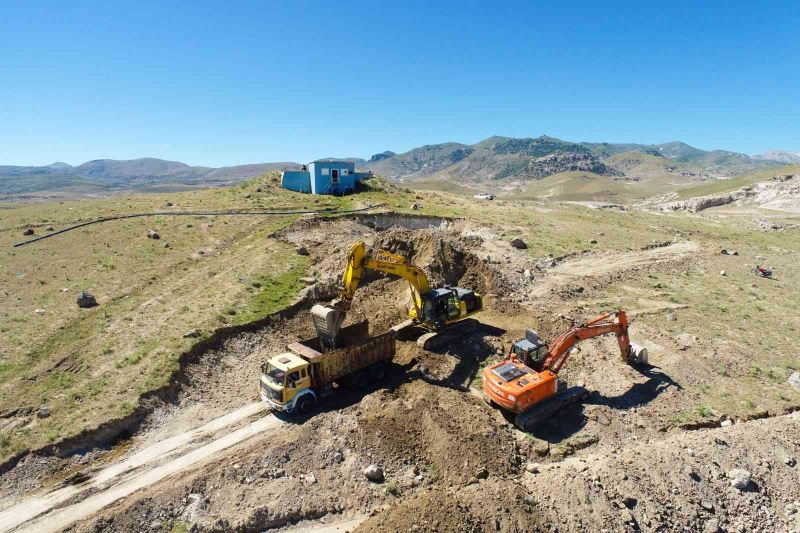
x: 794, y: 380
x: 86, y: 300
x: 518, y: 243
x: 740, y: 478
x: 374, y: 473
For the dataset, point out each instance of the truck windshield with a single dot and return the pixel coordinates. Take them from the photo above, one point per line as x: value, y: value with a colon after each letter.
x: 275, y: 374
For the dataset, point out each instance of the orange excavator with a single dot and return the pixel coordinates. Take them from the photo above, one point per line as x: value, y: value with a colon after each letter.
x: 526, y: 382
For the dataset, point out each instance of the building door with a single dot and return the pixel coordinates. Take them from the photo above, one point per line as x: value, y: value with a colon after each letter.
x: 335, y: 176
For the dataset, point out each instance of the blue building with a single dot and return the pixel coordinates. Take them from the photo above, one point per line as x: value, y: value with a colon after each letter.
x: 324, y: 176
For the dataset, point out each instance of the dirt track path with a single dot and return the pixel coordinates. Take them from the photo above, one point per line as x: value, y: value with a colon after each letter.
x: 139, y: 470
x: 600, y: 264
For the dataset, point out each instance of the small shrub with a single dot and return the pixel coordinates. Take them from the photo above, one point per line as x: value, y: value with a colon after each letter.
x: 704, y: 411
x: 392, y: 488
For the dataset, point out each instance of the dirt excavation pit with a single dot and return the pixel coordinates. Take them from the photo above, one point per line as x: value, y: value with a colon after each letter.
x: 449, y: 462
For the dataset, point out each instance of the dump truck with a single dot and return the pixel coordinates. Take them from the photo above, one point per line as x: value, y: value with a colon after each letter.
x: 295, y: 381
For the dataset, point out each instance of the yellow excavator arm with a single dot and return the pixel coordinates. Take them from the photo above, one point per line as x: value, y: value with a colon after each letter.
x: 359, y: 261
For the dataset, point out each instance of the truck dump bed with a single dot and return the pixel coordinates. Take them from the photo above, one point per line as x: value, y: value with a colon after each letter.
x: 360, y: 351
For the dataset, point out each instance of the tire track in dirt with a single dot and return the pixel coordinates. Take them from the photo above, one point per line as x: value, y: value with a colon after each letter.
x: 127, y: 476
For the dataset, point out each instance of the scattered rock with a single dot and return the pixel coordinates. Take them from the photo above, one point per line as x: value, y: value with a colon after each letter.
x: 626, y: 516
x: 768, y: 225
x: 192, y: 334
x: 302, y: 250
x: 671, y: 317
x: 726, y: 423
x: 86, y: 300
x: 338, y: 457
x: 684, y: 341
x: 38, y: 312
x: 656, y: 244
x: 258, y: 189
x: 728, y: 252
x: 527, y: 273
x: 43, y: 412
x: 50, y: 228
x: 723, y: 273
x: 374, y: 473
x: 310, y: 478
x: 153, y: 234
x: 712, y: 526
x: 518, y: 243
x: 592, y: 241
x: 28, y: 231
x: 169, y: 204
x: 790, y: 461
x: 165, y: 245
x: 308, y: 280
x: 533, y: 468
x: 482, y: 473
x: 708, y: 506
x: 416, y: 206
x: 794, y: 380
x: 156, y: 525
x: 740, y: 478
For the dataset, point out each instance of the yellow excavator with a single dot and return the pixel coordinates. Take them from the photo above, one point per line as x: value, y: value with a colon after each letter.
x: 432, y: 309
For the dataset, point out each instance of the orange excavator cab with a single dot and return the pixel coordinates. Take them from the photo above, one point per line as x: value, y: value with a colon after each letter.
x: 526, y: 382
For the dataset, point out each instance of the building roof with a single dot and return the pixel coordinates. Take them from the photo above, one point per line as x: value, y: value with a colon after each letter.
x: 331, y: 160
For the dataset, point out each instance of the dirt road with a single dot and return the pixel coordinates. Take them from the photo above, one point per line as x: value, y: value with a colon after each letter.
x: 145, y: 467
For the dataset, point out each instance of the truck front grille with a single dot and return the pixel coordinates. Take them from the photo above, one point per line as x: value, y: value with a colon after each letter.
x: 272, y: 394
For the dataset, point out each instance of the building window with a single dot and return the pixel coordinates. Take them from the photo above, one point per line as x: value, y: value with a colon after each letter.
x: 345, y: 171
x: 324, y: 171
x: 335, y: 176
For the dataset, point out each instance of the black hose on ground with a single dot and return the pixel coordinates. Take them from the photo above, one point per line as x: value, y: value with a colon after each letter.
x: 199, y: 213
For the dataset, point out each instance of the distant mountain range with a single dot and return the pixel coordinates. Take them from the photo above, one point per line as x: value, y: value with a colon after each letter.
x: 497, y: 160
x: 104, y: 176
x: 504, y: 159
x: 783, y: 156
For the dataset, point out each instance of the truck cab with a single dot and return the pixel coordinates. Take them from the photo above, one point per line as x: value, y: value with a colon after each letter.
x: 283, y: 378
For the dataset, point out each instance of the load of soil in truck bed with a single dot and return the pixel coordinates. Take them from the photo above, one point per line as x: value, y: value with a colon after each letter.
x: 351, y: 335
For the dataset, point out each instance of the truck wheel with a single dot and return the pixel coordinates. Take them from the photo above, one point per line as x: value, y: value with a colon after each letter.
x: 377, y: 371
x: 306, y: 404
x: 360, y: 380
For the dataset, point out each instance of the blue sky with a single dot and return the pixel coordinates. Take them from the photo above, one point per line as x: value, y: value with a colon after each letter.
x: 216, y: 83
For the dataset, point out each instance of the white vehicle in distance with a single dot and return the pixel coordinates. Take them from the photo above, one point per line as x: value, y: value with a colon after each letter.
x: 484, y: 196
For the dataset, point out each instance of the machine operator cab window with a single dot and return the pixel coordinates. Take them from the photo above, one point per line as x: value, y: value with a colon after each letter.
x: 531, y: 350
x: 441, y: 306
x: 294, y: 377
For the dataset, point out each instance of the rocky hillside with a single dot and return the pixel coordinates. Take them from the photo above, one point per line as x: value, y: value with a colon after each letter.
x: 784, y: 156
x: 520, y: 160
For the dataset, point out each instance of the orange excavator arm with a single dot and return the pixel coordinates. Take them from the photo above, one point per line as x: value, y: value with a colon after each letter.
x: 615, y: 322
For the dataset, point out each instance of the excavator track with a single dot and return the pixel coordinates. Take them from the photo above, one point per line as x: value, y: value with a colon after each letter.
x: 438, y: 339
x: 528, y: 419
